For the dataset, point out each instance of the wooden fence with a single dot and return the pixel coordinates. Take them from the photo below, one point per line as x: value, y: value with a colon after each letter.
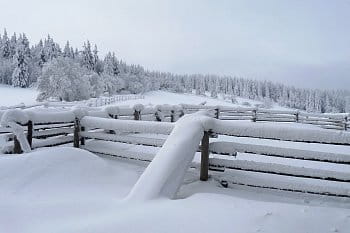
x: 52, y: 129
x: 128, y: 132
x: 337, y: 121
x: 59, y: 131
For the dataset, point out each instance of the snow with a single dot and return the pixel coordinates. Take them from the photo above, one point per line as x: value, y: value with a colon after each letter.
x: 127, y: 125
x: 125, y: 138
x: 71, y: 190
x: 138, y: 107
x: 50, y: 116
x: 281, y: 131
x: 164, y: 176
x: 10, y: 96
x: 232, y: 147
x: 10, y: 119
x: 121, y: 150
x: 281, y: 169
x: 154, y: 98
x: 112, y: 110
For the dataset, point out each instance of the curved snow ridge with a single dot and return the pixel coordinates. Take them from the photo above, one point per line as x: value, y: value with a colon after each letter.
x: 164, y: 175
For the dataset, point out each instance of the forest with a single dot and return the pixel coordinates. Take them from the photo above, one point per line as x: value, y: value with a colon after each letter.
x: 67, y: 73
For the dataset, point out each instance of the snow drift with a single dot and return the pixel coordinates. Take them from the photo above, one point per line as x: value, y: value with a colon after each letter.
x: 57, y: 173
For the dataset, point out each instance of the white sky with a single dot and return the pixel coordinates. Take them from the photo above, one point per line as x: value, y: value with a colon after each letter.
x: 300, y: 42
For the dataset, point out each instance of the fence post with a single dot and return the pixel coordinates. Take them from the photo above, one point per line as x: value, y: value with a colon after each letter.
x: 17, y: 146
x: 217, y: 111
x: 297, y: 116
x: 254, y: 115
x: 204, y: 157
x: 172, y: 116
x: 30, y: 133
x: 76, y: 133
x: 345, y: 123
x: 137, y: 115
x: 158, y: 118
x: 82, y: 139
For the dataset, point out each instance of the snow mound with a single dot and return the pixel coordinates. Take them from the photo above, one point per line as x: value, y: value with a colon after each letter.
x: 49, y: 171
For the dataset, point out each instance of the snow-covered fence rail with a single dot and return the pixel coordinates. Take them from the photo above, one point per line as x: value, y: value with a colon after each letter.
x: 339, y: 121
x: 112, y: 130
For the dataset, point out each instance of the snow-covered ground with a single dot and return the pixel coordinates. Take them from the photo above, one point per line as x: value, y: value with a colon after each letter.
x: 10, y: 96
x: 64, y: 189
x: 70, y: 190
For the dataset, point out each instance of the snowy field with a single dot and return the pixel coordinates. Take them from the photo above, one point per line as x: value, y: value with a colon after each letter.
x: 10, y: 96
x: 70, y: 190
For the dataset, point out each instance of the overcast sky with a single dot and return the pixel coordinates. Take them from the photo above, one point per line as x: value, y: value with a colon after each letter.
x: 299, y: 42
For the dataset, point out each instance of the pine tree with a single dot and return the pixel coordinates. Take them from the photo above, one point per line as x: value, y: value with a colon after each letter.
x: 110, y: 65
x: 13, y: 45
x: 20, y: 76
x: 5, y: 49
x: 98, y: 68
x: 87, y: 60
x: 67, y: 50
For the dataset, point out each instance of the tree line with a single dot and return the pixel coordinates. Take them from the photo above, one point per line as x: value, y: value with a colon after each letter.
x: 74, y: 74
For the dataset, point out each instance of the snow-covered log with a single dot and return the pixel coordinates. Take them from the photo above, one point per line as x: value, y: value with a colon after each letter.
x: 52, y: 126
x: 293, y: 184
x: 227, y: 118
x: 124, y: 138
x: 52, y: 141
x: 127, y: 125
x: 120, y: 150
x: 233, y: 147
x: 280, y: 169
x: 52, y: 132
x: 270, y: 111
x: 287, y: 132
x: 164, y: 175
x: 50, y: 117
x: 278, y: 119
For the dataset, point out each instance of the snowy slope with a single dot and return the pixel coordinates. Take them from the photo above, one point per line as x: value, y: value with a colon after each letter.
x: 69, y: 190
x: 10, y: 96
